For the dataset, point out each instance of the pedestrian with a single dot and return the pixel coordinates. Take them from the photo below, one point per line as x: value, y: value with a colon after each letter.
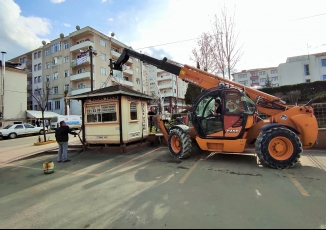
x: 37, y: 122
x: 150, y: 114
x: 61, y: 136
x: 47, y: 124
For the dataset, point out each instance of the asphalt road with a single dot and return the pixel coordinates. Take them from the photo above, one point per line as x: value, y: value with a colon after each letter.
x: 150, y: 189
x: 20, y: 142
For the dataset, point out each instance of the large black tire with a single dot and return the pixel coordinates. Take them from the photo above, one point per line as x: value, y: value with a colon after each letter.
x: 278, y: 148
x: 179, y: 144
x: 12, y: 135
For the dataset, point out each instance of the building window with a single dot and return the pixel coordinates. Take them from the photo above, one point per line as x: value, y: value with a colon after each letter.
x: 81, y: 85
x: 49, y: 106
x: 274, y: 78
x: 81, y: 71
x: 55, y: 76
x: 67, y: 87
x: 133, y: 111
x: 324, y: 77
x: 306, y: 70
x: 22, y: 60
x: 253, y: 74
x: 35, y: 55
x: 55, y: 90
x: 151, y: 69
x: 35, y: 107
x: 103, y: 71
x: 323, y: 62
x: 243, y: 82
x: 103, y: 42
x: 242, y: 76
x: 39, y: 79
x: 101, y: 113
x: 47, y: 78
x: 35, y: 67
x: 103, y: 57
x: 35, y: 80
x: 39, y: 54
x: 307, y: 80
x: 273, y: 71
x: 47, y: 65
x: 47, y: 52
x: 56, y: 47
x: 56, y: 105
x: 66, y: 45
x: 66, y: 73
x: 66, y: 59
x: 55, y: 60
x: 39, y: 66
x: 262, y: 80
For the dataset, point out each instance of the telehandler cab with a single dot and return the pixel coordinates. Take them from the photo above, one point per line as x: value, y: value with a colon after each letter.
x: 279, y: 139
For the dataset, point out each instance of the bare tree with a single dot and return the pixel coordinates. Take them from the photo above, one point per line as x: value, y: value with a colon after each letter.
x: 203, y: 53
x: 226, y: 51
x: 293, y: 96
x: 41, y: 97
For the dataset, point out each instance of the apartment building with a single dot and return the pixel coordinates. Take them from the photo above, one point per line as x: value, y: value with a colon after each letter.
x: 304, y: 68
x: 158, y: 83
x: 66, y: 67
x: 257, y: 77
x: 13, y: 93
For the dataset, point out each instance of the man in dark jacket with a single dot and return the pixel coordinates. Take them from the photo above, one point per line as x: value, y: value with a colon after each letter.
x: 61, y: 136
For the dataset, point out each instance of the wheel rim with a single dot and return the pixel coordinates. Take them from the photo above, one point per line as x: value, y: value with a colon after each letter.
x: 12, y: 135
x: 280, y: 148
x: 175, y: 144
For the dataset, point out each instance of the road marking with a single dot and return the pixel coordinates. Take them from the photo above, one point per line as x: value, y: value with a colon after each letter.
x: 190, y: 171
x: 258, y: 193
x: 128, y: 162
x: 298, y: 185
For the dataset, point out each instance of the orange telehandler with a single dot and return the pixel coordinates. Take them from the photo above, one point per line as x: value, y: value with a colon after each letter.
x: 279, y: 139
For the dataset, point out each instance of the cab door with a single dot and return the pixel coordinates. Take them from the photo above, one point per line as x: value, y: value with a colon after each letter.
x: 234, y: 113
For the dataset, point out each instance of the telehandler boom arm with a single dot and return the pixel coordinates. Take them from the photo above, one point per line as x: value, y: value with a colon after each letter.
x: 266, y: 103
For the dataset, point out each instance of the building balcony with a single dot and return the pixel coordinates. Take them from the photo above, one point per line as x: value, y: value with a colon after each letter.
x: 81, y: 46
x: 165, y: 86
x: 170, y: 94
x: 254, y: 78
x: 122, y: 82
x: 128, y: 71
x: 79, y: 62
x: 80, y: 76
x: 115, y: 54
x: 81, y: 90
x: 167, y: 77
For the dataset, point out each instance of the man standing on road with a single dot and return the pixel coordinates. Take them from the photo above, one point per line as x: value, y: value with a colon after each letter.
x: 61, y: 136
x: 150, y: 114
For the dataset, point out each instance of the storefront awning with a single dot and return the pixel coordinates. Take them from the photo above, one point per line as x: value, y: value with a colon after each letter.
x: 32, y: 114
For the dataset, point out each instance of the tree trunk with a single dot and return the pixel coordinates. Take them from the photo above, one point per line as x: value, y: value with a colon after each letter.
x: 44, y: 132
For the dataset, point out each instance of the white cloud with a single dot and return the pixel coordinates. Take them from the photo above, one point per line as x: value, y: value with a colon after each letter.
x: 57, y: 1
x: 66, y: 25
x: 19, y: 34
x: 110, y: 19
x: 104, y: 1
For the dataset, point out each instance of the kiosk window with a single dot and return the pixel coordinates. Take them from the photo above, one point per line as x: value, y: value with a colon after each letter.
x: 133, y: 111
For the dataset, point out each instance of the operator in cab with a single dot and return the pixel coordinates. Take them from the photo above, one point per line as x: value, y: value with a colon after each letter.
x: 218, y: 108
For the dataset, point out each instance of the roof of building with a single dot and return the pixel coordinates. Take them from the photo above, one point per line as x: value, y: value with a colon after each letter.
x: 111, y: 90
x: 12, y: 65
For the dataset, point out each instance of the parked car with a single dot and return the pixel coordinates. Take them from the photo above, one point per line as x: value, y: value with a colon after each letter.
x: 13, y: 131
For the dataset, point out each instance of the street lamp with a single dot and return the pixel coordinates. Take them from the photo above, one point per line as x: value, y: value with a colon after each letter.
x: 91, y: 52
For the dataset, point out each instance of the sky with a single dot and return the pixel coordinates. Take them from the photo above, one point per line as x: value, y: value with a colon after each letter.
x: 269, y: 30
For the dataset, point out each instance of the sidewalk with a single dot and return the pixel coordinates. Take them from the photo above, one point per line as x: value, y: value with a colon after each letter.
x: 29, y: 150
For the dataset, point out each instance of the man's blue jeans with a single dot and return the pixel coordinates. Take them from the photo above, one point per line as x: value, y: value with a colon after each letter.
x: 62, y: 152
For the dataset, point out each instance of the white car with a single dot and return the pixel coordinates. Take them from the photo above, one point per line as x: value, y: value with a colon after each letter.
x: 12, y: 131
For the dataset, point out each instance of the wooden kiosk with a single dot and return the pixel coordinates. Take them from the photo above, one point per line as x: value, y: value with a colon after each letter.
x: 114, y: 115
